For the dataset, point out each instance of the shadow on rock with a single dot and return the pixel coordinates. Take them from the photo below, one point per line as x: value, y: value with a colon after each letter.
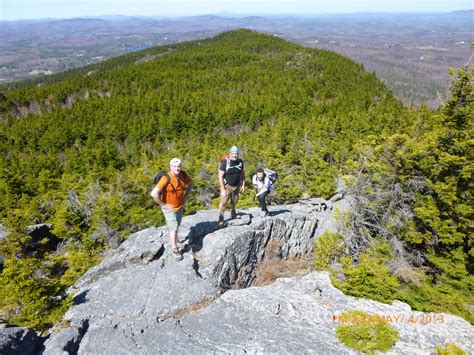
x: 193, y: 241
x: 274, y: 213
x: 80, y: 297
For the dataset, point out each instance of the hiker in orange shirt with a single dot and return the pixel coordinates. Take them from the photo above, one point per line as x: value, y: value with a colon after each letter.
x: 171, y: 194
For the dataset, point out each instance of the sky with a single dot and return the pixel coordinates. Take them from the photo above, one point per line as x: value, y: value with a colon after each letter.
x: 35, y: 9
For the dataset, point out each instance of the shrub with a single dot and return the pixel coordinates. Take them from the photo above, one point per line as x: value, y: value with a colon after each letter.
x: 327, y: 249
x: 432, y: 296
x: 370, y: 278
x: 366, y: 337
x: 450, y: 349
x: 29, y: 296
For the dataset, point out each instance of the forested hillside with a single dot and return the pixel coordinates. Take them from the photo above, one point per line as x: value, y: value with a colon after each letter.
x: 80, y: 153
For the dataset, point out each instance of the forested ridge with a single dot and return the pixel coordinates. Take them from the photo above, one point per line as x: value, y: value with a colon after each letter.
x: 79, y: 152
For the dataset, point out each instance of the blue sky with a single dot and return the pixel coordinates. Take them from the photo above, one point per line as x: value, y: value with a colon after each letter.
x: 33, y: 9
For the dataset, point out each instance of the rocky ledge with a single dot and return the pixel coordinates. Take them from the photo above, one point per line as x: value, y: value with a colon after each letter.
x: 141, y: 300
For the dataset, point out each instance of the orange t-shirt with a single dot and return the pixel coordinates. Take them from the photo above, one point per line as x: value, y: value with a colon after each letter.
x: 174, y: 192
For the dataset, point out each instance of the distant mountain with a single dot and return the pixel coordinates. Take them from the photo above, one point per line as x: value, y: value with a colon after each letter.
x: 463, y: 12
x: 465, y: 16
x: 409, y: 52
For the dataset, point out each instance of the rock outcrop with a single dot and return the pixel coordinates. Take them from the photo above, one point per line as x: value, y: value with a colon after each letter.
x: 141, y: 300
x: 17, y: 340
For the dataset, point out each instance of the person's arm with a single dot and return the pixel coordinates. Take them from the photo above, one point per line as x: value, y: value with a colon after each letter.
x: 156, y: 195
x: 262, y: 191
x: 242, y: 178
x: 221, y: 182
x: 265, y: 187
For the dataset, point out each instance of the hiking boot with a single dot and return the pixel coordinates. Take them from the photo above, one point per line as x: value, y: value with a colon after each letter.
x: 233, y: 214
x: 176, y: 254
x: 221, y: 219
x: 265, y: 214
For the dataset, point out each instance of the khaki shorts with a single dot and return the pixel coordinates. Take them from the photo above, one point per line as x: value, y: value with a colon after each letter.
x: 232, y: 190
x: 173, y: 218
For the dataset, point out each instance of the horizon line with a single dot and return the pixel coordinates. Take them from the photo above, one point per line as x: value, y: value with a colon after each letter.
x: 242, y: 14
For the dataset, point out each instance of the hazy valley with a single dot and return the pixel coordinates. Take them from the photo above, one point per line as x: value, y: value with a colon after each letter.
x: 410, y: 53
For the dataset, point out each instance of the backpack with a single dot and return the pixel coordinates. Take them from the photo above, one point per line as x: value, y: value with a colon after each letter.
x: 272, y: 175
x: 158, y: 177
x: 225, y: 157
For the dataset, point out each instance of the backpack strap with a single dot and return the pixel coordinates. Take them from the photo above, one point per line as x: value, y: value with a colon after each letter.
x: 168, y: 180
x: 184, y: 175
x: 271, y: 186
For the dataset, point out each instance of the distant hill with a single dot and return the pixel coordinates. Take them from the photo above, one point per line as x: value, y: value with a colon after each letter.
x: 463, y: 12
x: 409, y: 52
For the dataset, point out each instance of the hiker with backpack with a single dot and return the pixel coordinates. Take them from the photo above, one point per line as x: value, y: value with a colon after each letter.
x: 263, y: 186
x: 231, y: 182
x: 171, y: 192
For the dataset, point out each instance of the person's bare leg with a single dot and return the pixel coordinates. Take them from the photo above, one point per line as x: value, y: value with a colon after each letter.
x: 173, y: 239
x: 223, y: 203
x: 174, y: 247
x: 233, y: 202
x: 222, y: 206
